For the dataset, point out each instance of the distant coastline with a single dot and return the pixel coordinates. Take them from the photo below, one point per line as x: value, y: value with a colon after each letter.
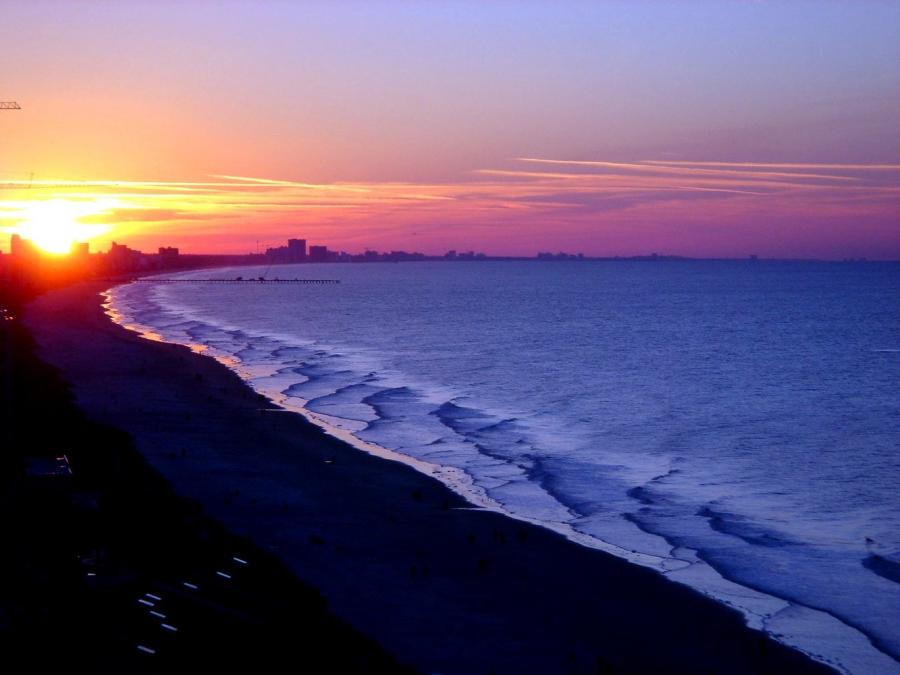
x: 26, y: 263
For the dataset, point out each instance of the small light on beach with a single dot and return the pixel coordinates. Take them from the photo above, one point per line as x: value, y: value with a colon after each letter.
x: 155, y: 598
x: 224, y: 575
x: 169, y: 627
x: 146, y: 602
x: 145, y: 649
x: 193, y: 587
x: 158, y: 615
x: 240, y: 561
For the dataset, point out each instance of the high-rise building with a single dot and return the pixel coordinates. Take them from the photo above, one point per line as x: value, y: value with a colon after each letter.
x: 318, y: 253
x: 123, y: 259
x: 16, y: 245
x: 297, y: 250
x: 168, y: 255
x: 22, y: 248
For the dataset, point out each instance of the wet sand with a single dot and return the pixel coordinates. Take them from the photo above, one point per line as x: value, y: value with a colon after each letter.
x: 443, y: 587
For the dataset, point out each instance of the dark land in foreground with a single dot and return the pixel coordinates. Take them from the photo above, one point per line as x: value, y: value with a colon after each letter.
x: 180, y: 471
x: 105, y: 569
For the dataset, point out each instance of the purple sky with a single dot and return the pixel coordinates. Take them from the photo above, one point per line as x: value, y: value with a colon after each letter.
x: 417, y: 124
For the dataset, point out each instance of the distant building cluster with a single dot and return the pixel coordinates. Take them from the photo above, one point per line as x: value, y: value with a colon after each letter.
x: 22, y: 252
x: 121, y: 259
x: 26, y: 260
x: 296, y: 251
x: 560, y: 256
x: 468, y: 255
x: 23, y: 249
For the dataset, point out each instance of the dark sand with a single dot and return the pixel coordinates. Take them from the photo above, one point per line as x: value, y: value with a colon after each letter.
x: 443, y: 587
x: 97, y: 559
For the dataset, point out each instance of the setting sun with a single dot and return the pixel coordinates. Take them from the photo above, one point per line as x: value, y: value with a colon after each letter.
x: 54, y: 227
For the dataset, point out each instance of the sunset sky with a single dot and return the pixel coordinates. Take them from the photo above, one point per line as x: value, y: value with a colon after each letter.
x: 700, y: 128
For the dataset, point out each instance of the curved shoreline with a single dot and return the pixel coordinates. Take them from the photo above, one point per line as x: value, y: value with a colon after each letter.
x: 601, y: 605
x: 762, y: 609
x: 472, y: 494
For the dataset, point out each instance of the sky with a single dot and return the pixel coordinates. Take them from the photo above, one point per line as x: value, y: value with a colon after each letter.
x: 713, y: 128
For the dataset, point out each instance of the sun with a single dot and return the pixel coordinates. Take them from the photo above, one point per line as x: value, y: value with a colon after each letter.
x: 53, y: 225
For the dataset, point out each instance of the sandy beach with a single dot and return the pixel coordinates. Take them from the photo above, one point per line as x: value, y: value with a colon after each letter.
x: 442, y: 586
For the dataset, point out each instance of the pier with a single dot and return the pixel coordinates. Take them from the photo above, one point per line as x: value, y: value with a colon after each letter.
x: 237, y: 281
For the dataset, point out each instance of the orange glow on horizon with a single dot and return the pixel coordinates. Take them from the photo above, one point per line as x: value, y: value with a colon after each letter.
x: 591, y: 206
x: 53, y: 225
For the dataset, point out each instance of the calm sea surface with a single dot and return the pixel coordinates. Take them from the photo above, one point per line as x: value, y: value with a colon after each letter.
x: 734, y: 425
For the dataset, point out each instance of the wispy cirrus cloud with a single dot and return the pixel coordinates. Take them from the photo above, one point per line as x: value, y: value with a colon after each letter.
x: 727, y: 177
x: 782, y: 165
x: 141, y: 215
x: 573, y: 195
x: 677, y: 168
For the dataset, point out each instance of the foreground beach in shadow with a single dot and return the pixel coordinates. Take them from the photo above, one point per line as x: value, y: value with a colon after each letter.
x: 107, y: 570
x: 440, y: 586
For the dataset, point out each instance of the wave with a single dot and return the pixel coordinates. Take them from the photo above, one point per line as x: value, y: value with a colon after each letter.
x: 746, y: 530
x: 883, y: 567
x: 625, y: 505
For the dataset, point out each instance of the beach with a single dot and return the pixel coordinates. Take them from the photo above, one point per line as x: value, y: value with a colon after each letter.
x: 442, y: 586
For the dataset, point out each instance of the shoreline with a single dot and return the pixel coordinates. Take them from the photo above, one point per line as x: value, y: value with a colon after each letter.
x: 802, y: 624
x: 400, y: 556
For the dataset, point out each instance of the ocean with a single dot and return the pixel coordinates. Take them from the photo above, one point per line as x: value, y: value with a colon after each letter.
x: 734, y: 425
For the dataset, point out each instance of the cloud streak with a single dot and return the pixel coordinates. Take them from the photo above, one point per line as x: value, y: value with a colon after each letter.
x: 782, y: 165
x: 677, y: 168
x: 577, y: 197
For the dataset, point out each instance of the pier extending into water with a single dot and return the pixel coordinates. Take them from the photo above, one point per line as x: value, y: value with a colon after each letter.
x: 237, y: 281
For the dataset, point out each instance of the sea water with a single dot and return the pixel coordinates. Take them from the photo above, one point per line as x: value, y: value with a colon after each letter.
x: 733, y: 425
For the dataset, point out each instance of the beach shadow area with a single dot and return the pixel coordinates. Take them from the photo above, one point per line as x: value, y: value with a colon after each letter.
x: 105, y: 569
